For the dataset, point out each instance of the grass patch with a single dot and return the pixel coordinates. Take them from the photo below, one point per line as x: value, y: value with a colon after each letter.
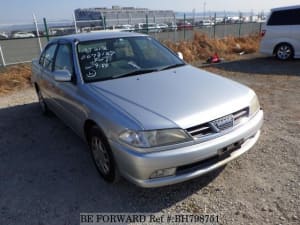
x: 202, y: 47
x: 14, y: 78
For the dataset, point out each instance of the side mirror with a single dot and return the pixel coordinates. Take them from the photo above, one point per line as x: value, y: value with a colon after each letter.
x: 62, y: 75
x: 180, y: 56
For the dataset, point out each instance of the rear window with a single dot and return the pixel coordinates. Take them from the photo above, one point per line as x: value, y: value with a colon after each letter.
x: 285, y: 17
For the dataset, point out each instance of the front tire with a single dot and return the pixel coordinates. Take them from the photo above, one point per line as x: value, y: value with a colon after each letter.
x: 102, y: 155
x: 284, y: 52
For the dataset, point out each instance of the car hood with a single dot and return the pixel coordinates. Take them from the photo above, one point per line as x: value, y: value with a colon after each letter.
x: 181, y: 97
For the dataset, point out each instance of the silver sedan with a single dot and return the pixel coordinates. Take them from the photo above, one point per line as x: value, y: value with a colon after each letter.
x: 145, y: 114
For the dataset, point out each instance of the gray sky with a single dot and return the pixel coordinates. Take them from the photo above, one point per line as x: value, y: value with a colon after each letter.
x: 12, y: 11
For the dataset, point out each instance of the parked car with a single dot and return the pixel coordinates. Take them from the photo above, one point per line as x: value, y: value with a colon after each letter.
x: 150, y: 28
x: 138, y: 26
x: 281, y: 33
x: 172, y: 26
x: 163, y: 26
x: 23, y: 35
x: 3, y: 36
x: 206, y: 23
x: 124, y: 27
x: 185, y: 26
x: 145, y: 113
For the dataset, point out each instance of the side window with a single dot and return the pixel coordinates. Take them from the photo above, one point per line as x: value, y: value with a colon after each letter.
x: 47, y: 57
x: 297, y: 17
x: 64, y: 59
x: 285, y: 17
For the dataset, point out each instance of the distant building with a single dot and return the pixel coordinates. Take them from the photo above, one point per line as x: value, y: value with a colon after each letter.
x: 121, y: 15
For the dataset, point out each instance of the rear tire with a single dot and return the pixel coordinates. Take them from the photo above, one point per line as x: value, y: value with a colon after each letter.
x: 102, y: 155
x: 284, y: 52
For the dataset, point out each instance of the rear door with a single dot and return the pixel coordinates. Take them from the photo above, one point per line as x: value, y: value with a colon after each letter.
x: 279, y: 28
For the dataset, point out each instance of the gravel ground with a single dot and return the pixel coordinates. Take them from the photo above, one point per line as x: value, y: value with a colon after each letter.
x: 47, y: 175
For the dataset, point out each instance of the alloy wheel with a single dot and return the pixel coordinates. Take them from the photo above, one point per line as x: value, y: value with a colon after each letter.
x: 284, y: 52
x: 101, y: 155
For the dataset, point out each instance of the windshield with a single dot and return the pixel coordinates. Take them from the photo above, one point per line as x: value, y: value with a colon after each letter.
x: 119, y: 57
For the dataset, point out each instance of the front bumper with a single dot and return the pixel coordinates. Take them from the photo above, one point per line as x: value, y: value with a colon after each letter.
x: 138, y: 167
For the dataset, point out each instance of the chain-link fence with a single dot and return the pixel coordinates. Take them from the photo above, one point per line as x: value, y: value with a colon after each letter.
x: 22, y: 42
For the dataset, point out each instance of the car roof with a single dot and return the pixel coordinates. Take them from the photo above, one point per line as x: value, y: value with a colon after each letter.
x: 286, y: 8
x: 96, y: 36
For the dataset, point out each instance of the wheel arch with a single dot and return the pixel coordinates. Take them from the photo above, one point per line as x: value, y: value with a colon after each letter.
x: 88, y: 124
x: 113, y: 175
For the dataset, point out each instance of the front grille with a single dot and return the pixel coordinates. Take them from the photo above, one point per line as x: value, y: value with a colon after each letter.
x: 218, y: 125
x: 222, y: 123
x: 200, y: 130
x: 239, y: 115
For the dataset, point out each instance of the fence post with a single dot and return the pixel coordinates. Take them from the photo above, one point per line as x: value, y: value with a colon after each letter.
x: 240, y: 25
x: 225, y: 21
x: 129, y: 18
x: 37, y: 32
x: 184, y: 23
x: 260, y: 27
x: 104, y: 22
x: 174, y: 28
x: 215, y: 24
x: 2, y: 56
x: 46, y: 28
x: 147, y: 24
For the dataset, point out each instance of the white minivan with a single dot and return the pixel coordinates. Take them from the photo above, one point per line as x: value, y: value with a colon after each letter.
x: 281, y: 33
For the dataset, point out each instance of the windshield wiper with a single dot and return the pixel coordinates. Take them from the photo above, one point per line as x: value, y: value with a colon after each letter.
x: 172, y: 66
x: 135, y: 72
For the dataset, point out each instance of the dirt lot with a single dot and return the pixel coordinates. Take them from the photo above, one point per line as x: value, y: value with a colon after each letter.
x: 47, y: 175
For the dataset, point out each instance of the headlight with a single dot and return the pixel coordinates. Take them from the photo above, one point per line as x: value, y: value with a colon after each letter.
x: 254, y: 105
x: 155, y: 138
